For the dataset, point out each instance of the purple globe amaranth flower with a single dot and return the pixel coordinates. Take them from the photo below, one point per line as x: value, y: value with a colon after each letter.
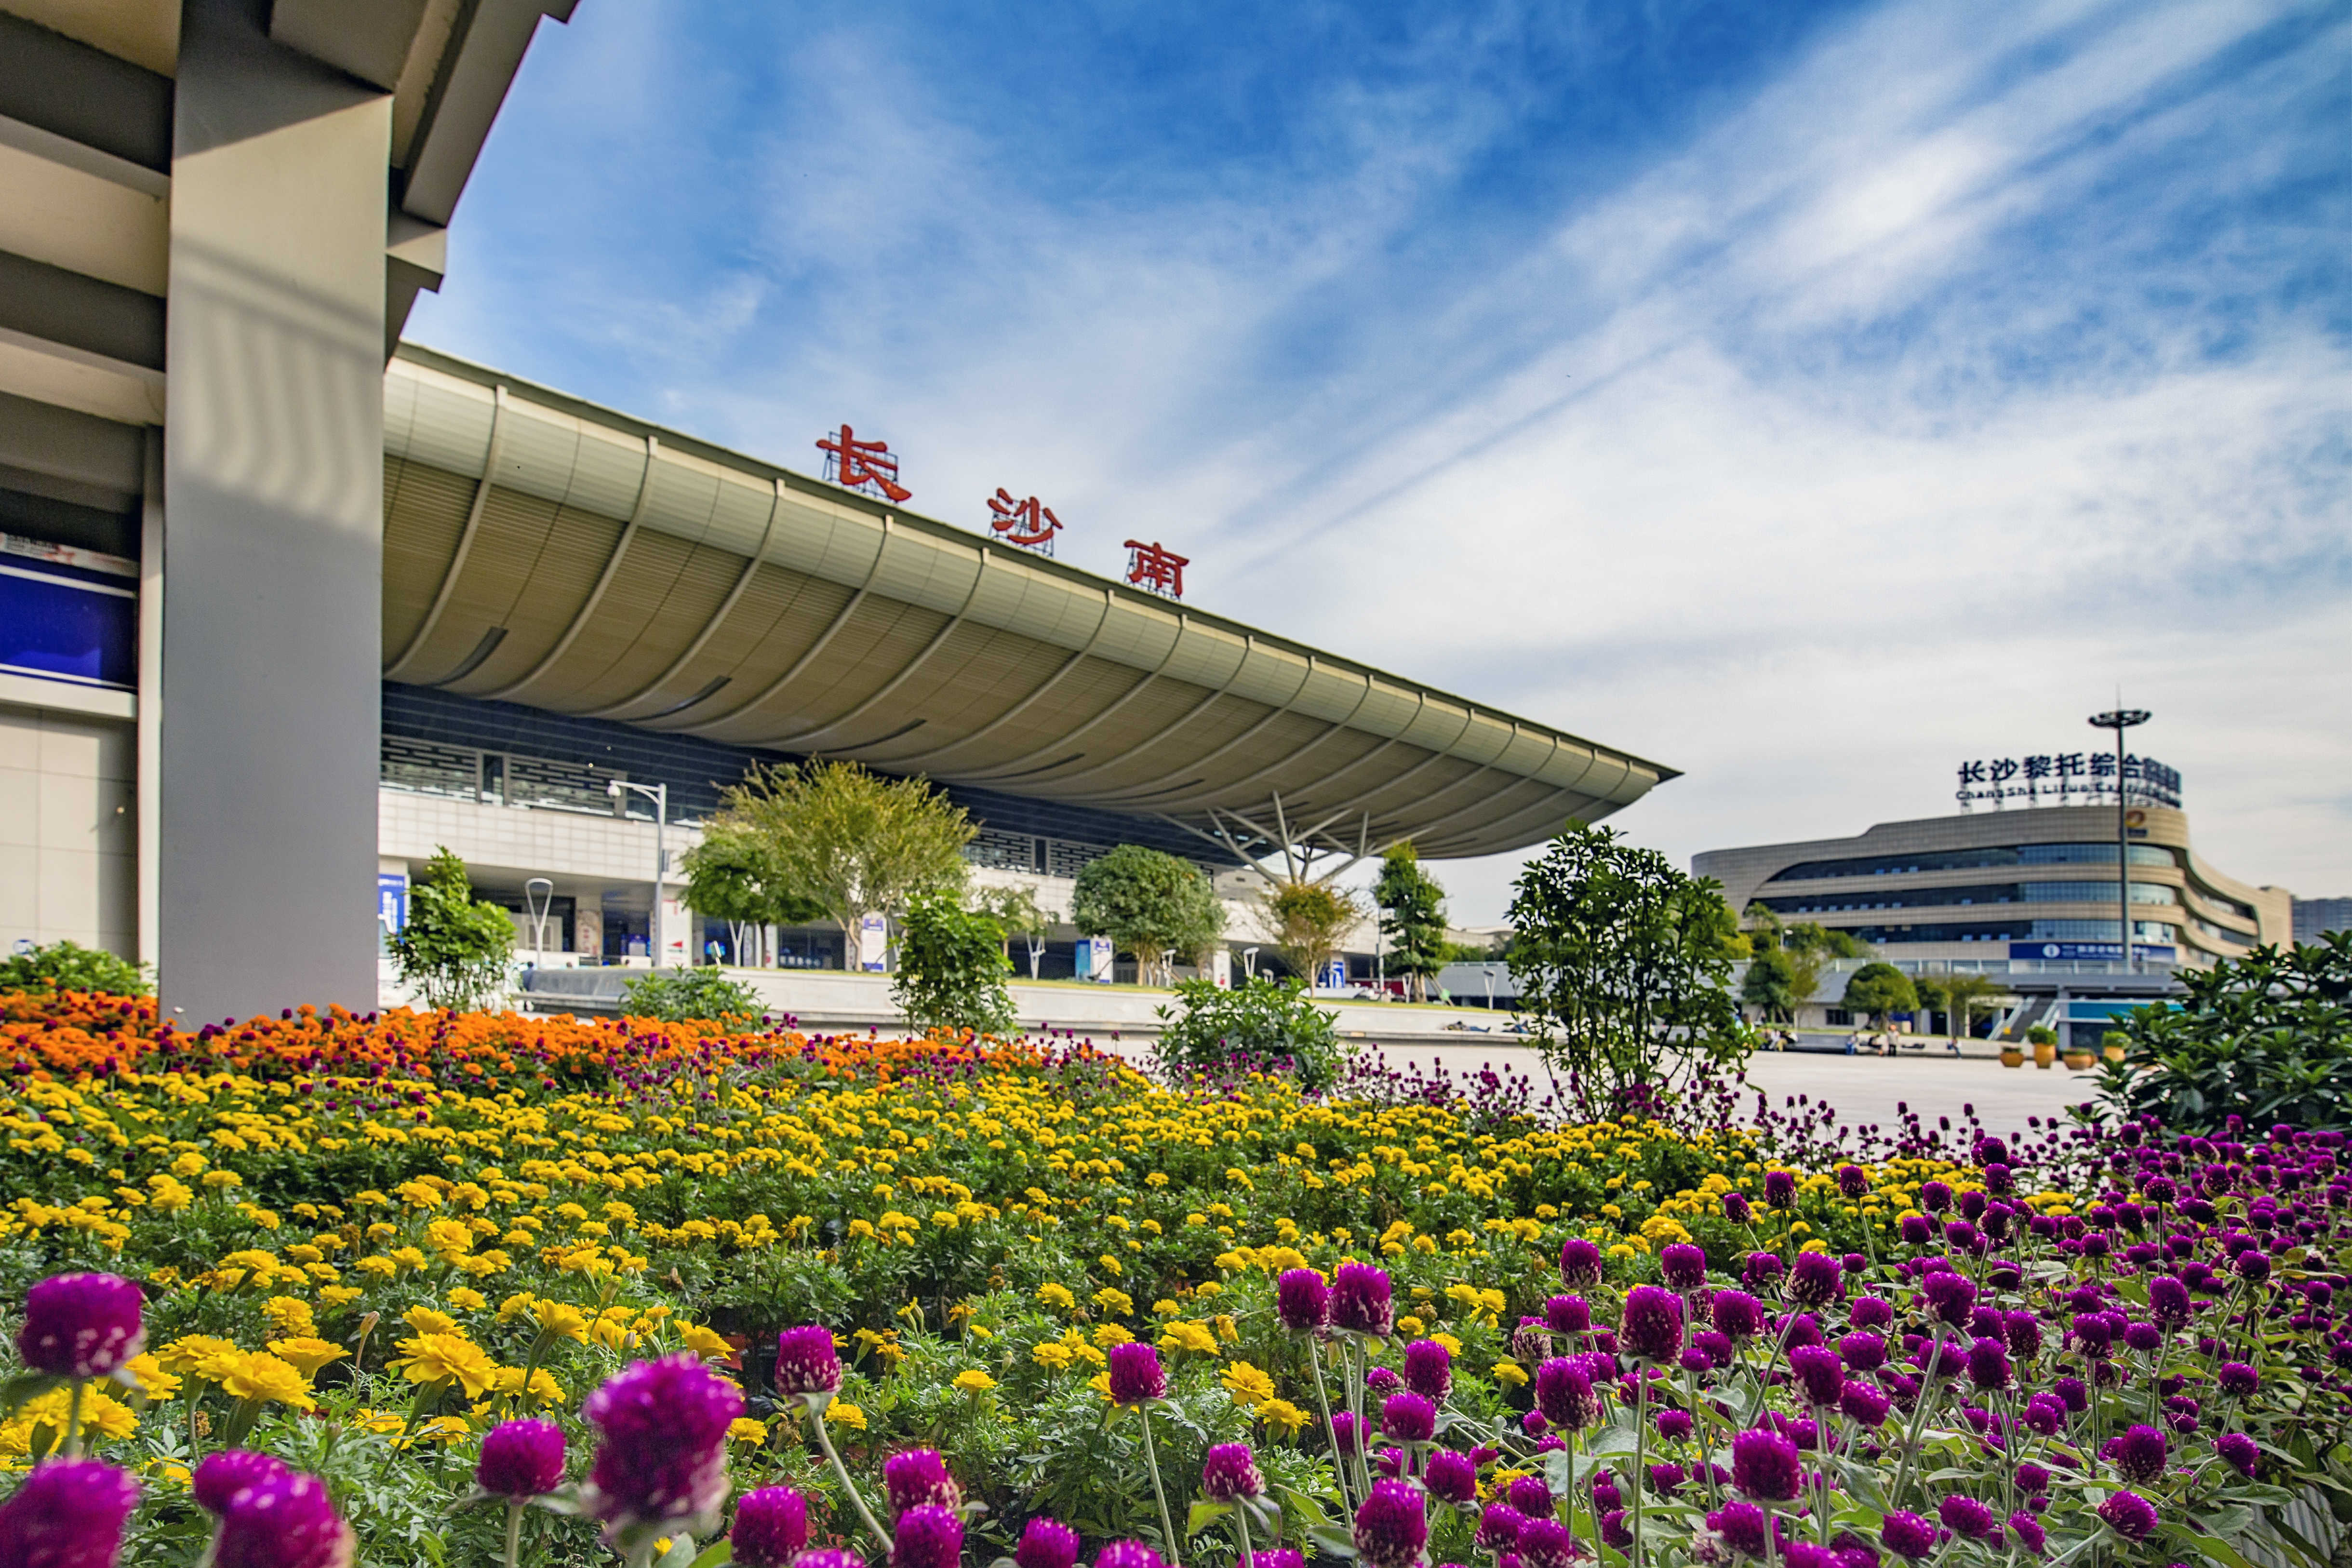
x: 1862, y: 1350
x: 1853, y: 1182
x: 1545, y: 1543
x: 928, y: 1537
x: 1499, y: 1527
x: 1344, y: 1434
x: 2029, y: 1532
x: 2236, y: 1380
x: 2024, y: 1332
x: 663, y: 1457
x: 1530, y: 1496
x: 1681, y: 1265
x: 1408, y: 1418
x: 2129, y: 1515
x: 1815, y: 1280
x: 919, y: 1477
x: 1759, y: 1271
x: 806, y: 1362
x: 1819, y: 1372
x: 771, y: 1526
x: 2169, y: 1303
x: 1871, y: 1312
x: 2071, y: 1395
x: 1564, y: 1395
x: 220, y: 1477
x: 1429, y: 1370
x: 1736, y: 1208
x: 1567, y: 1314
x: 1916, y: 1230
x: 1451, y: 1476
x: 1391, y: 1529
x: 828, y: 1557
x: 2139, y: 1454
x: 1382, y: 1380
x: 1968, y: 1518
x: 1614, y: 1530
x: 287, y: 1522
x: 1988, y: 1367
x: 2253, y: 1267
x: 1229, y: 1473
x: 1863, y: 1403
x: 1779, y: 1188
x: 522, y: 1459
x: 1935, y: 1196
x: 2240, y: 1452
x: 1605, y: 1494
x: 1127, y: 1554
x: 1361, y: 1299
x: 1744, y: 1527
x: 1713, y: 1344
x: 1908, y: 1535
x: 2145, y: 1338
x: 1136, y: 1374
x: 69, y: 1513
x: 1735, y: 1314
x: 1302, y: 1302
x: 80, y: 1325
x: 1805, y: 1555
x: 1651, y: 1327
x: 1047, y: 1543
x: 1579, y: 1263
x: 2045, y: 1413
x: 1948, y: 1297
x: 1674, y: 1425
x: 2032, y: 1479
x: 1766, y: 1466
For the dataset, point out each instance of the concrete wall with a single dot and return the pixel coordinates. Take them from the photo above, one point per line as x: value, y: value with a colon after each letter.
x: 68, y: 830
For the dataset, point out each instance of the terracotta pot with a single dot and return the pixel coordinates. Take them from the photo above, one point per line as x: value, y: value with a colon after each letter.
x: 2011, y: 1057
x: 2046, y: 1053
x: 2079, y: 1061
x: 2113, y: 1053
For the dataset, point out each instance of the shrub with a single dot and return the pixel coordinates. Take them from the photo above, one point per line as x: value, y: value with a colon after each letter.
x: 952, y: 969
x: 69, y: 966
x: 703, y: 993
x: 1880, y: 989
x: 2268, y: 1038
x: 1257, y: 1023
x: 453, y: 949
x: 1147, y: 902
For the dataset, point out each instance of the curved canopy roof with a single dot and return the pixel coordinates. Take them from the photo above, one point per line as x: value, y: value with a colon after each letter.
x: 613, y: 569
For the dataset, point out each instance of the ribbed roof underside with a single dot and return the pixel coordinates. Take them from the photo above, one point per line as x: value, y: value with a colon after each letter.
x: 613, y: 569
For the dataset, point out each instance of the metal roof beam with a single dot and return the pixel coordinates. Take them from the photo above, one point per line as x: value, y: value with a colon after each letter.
x: 808, y: 656
x: 906, y: 671
x: 604, y: 579
x: 399, y: 666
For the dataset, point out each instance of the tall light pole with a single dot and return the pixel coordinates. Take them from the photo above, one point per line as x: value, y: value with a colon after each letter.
x: 660, y: 795
x: 2120, y: 719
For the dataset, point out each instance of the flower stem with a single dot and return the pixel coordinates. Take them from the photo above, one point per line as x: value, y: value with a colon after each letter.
x: 1158, y: 1492
x: 1323, y: 1407
x: 514, y: 1533
x: 1241, y: 1528
x: 856, y: 1498
x: 1919, y: 1414
x: 1640, y: 1453
x: 72, y: 1449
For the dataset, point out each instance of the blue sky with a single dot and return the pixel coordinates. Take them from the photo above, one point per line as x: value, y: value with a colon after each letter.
x: 1810, y: 398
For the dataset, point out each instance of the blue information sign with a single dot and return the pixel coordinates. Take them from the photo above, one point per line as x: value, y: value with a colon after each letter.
x: 2111, y: 951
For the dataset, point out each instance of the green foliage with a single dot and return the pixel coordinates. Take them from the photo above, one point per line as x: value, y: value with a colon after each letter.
x: 1770, y: 986
x: 1309, y: 918
x: 1017, y: 910
x: 1258, y: 1024
x: 1880, y: 989
x: 1626, y: 962
x: 730, y: 878
x: 1412, y: 918
x: 2267, y: 1036
x: 69, y: 966
x: 2040, y: 1035
x: 1808, y: 937
x: 851, y: 841
x: 1954, y: 996
x: 703, y: 993
x: 1147, y: 903
x: 952, y: 969
x: 454, y: 949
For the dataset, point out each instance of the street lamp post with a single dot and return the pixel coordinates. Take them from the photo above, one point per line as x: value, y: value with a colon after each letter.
x: 2120, y: 719
x: 660, y: 795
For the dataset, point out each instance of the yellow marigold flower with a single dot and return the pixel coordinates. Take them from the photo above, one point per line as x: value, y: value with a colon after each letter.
x: 338, y: 1295
x: 377, y: 1267
x: 974, y: 1381
x: 1283, y: 1416
x: 516, y: 1306
x: 1410, y: 1326
x: 426, y: 1321
x: 270, y: 1379
x: 1184, y: 1336
x: 383, y: 1423
x: 843, y: 1414
x: 102, y: 1417
x: 1249, y: 1386
x: 308, y: 1354
x: 444, y: 1429
x: 743, y: 1429
x: 1453, y: 1346
x: 1512, y: 1373
x: 1163, y: 1308
x: 543, y: 1389
x: 197, y: 1355
x: 705, y: 1342
x: 1057, y: 1297
x: 1053, y: 1354
x: 154, y: 1380
x: 467, y: 1299
x: 561, y: 1318
x: 1114, y: 1300
x: 411, y: 1255
x: 290, y: 1315
x: 1109, y: 1334
x: 437, y: 1358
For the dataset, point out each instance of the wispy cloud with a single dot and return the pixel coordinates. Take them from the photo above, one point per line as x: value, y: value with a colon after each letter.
x: 1809, y: 414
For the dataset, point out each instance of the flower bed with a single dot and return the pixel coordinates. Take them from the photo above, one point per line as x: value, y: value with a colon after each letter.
x: 1032, y: 1302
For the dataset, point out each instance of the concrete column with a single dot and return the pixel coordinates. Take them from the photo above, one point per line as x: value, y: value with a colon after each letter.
x: 273, y: 478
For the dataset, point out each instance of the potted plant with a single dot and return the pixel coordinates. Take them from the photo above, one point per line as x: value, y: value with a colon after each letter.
x: 2111, y: 1046
x: 2078, y: 1059
x: 2044, y: 1041
x: 2013, y: 1054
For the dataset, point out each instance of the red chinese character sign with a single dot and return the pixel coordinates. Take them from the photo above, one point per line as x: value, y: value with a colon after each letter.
x: 858, y: 465
x: 1155, y: 568
x: 1030, y: 523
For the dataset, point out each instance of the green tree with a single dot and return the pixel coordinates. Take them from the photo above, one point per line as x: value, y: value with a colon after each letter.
x: 1770, y: 986
x: 1412, y: 918
x: 69, y: 966
x: 1016, y: 910
x: 1626, y: 962
x: 1258, y: 1024
x: 1148, y: 903
x: 1956, y: 996
x: 2267, y: 1036
x: 1880, y: 990
x: 454, y: 949
x: 729, y: 877
x: 1309, y: 918
x: 851, y: 841
x: 952, y: 969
